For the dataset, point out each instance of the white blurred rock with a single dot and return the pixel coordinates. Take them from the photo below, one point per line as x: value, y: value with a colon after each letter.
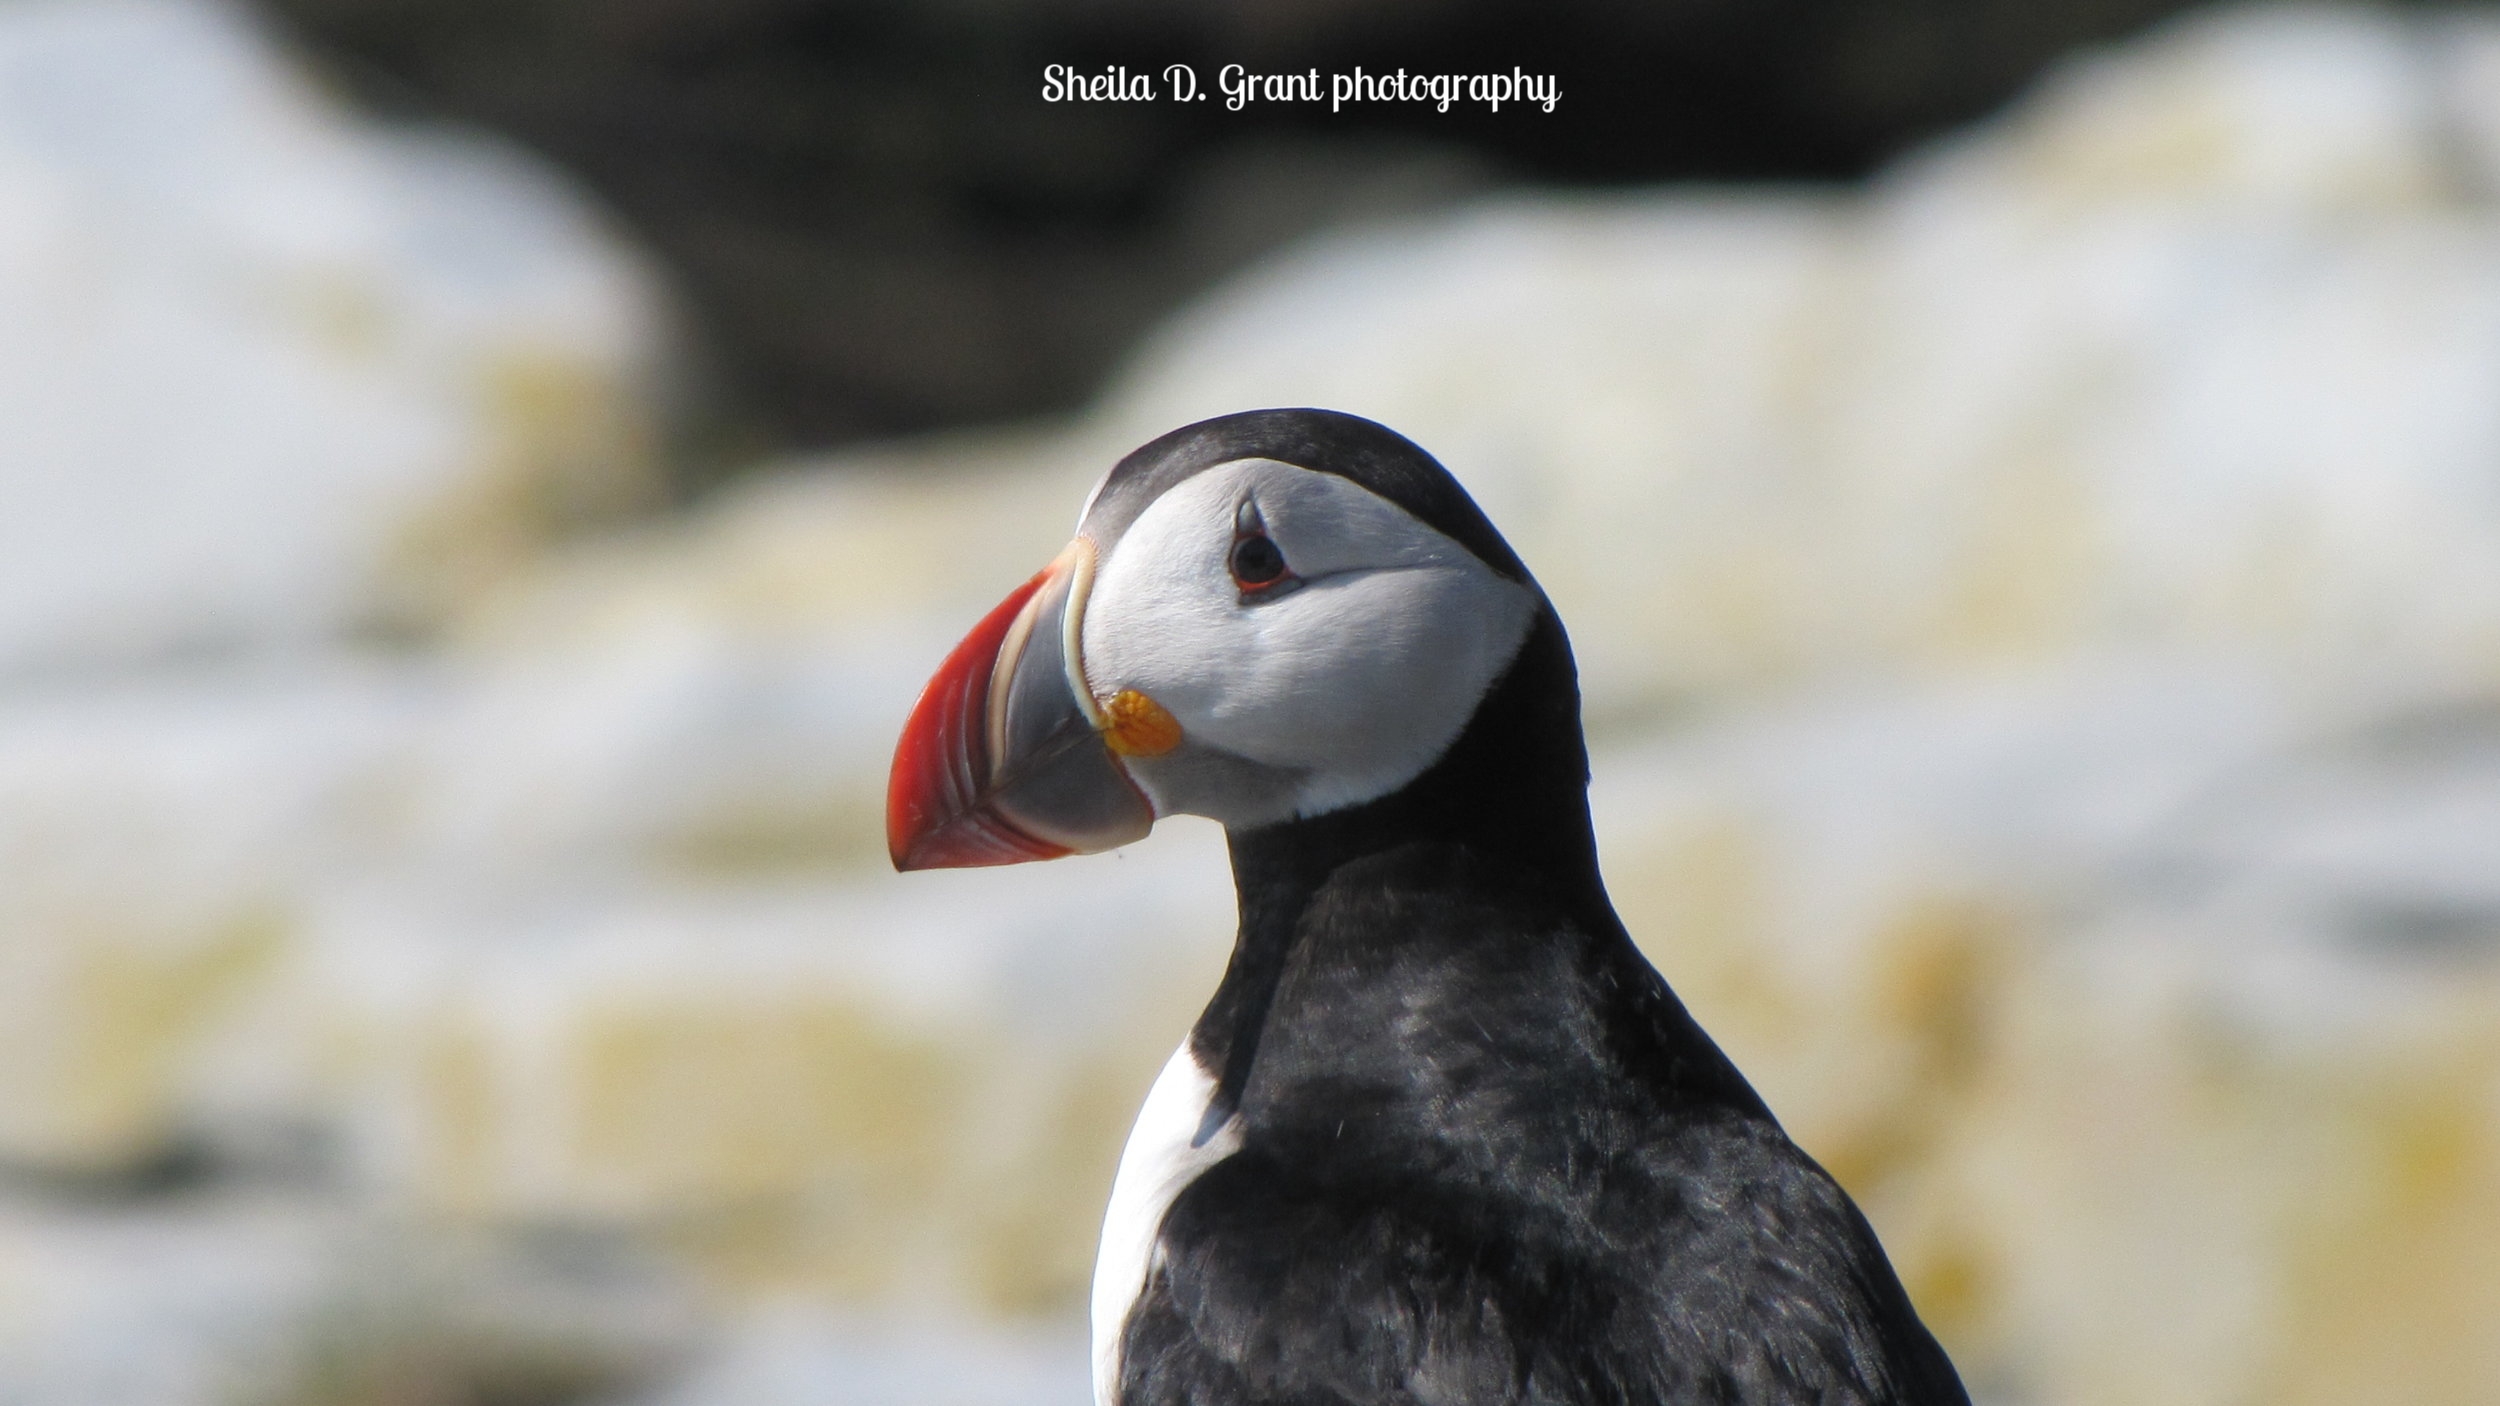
x: 790, y: 1356
x: 184, y: 1306
x: 268, y: 371
x: 2302, y: 109
x: 2150, y: 1019
x: 2467, y: 56
x: 802, y: 1085
x: 159, y: 843
x: 208, y: 1297
x: 722, y: 695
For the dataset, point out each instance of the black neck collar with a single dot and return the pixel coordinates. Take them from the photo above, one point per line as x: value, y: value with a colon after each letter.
x: 1512, y: 791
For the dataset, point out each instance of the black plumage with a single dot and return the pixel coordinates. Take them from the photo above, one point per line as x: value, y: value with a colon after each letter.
x: 1485, y: 1155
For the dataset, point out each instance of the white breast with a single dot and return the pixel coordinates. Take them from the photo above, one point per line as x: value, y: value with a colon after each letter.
x: 1154, y: 1168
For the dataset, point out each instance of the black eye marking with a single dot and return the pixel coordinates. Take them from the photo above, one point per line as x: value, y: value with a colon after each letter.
x: 1257, y: 563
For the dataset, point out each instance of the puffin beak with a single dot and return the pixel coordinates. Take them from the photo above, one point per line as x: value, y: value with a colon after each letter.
x: 1007, y: 756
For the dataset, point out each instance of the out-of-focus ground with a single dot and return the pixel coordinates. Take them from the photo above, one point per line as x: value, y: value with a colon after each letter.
x: 2040, y: 614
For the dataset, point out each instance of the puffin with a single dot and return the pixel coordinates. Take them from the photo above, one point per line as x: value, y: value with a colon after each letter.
x: 1442, y: 1136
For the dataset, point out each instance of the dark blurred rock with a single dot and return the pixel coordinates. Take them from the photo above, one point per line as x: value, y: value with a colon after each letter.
x: 881, y: 227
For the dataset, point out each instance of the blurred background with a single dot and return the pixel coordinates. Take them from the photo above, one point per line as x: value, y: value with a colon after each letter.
x: 482, y: 480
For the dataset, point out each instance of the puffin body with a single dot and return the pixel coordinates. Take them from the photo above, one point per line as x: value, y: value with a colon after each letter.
x: 1443, y: 1135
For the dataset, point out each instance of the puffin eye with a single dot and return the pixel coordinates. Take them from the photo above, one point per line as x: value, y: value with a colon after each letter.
x: 1257, y: 564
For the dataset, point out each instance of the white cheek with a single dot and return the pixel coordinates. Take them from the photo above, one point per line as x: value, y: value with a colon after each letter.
x: 1355, y: 682
x: 1364, y: 680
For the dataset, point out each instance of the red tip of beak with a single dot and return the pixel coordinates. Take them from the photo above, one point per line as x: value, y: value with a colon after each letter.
x: 934, y: 816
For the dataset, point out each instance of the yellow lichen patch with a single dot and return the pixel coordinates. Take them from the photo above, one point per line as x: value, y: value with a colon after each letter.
x: 1954, y: 1277
x: 1033, y: 1215
x: 839, y: 831
x: 2174, y: 121
x: 2278, y: 585
x: 1694, y: 898
x: 347, y: 312
x: 1941, y: 967
x: 1915, y: 1055
x: 2025, y: 570
x: 679, y: 1103
x: 738, y: 1123
x: 775, y: 1141
x: 569, y: 444
x: 1910, y: 1062
x: 463, y: 1111
x: 2389, y: 1294
x: 822, y: 547
x: 92, y: 1075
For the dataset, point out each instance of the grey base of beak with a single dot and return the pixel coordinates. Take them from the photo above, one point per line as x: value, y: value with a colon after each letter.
x: 1052, y: 776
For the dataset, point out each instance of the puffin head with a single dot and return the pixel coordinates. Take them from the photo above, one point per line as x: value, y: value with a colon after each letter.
x: 1263, y: 617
